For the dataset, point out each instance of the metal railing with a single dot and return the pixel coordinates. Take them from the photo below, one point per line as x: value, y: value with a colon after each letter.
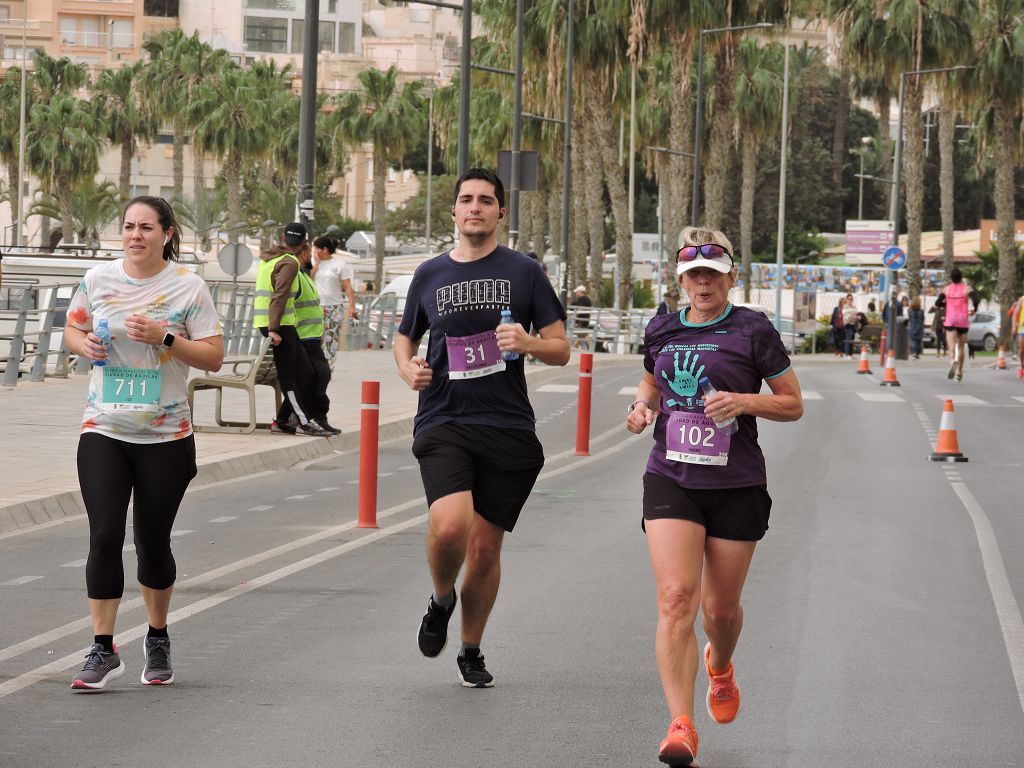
x: 30, y: 315
x: 603, y: 329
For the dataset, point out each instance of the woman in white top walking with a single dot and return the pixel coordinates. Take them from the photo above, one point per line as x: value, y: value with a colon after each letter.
x: 334, y: 282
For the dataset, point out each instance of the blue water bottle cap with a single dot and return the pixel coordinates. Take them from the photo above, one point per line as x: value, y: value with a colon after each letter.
x: 703, y: 381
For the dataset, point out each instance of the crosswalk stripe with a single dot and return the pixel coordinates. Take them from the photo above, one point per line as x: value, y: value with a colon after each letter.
x: 880, y: 397
x: 959, y: 400
x: 810, y: 394
x: 560, y: 388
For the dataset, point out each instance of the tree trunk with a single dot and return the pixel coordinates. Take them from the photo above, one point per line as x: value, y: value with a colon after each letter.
x: 883, y: 103
x: 839, y: 131
x: 594, y: 196
x: 676, y: 204
x: 12, y: 184
x: 555, y: 214
x: 1004, y: 144
x: 615, y: 182
x: 718, y: 170
x: 540, y: 218
x: 198, y: 183
x: 914, y: 165
x: 234, y: 182
x: 748, y: 186
x: 125, y: 176
x: 178, y: 162
x: 67, y: 221
x: 578, y: 213
x: 947, y: 147
x: 525, y: 241
x: 380, y: 177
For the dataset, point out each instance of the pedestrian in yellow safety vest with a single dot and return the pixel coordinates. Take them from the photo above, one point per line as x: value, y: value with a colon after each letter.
x: 274, y: 314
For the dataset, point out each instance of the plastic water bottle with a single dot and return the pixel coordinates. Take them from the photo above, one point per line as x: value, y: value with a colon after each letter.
x: 506, y: 319
x: 103, y: 332
x: 728, y: 426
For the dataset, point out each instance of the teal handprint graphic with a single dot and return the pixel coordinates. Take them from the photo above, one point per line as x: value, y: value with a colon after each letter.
x: 685, y: 382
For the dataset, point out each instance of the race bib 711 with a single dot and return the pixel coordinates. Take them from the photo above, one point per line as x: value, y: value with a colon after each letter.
x: 131, y: 389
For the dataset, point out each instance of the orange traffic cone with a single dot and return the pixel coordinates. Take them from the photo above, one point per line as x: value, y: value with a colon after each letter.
x: 889, y: 378
x: 947, y: 448
x: 862, y: 366
x: 1001, y: 360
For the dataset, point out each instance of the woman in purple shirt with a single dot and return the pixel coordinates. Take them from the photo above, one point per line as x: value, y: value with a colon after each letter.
x: 705, y: 499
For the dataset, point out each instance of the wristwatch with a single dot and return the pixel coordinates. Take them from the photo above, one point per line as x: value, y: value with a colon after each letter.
x: 635, y: 403
x: 168, y: 339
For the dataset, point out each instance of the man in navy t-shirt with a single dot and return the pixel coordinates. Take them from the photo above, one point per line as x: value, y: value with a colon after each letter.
x: 474, y: 432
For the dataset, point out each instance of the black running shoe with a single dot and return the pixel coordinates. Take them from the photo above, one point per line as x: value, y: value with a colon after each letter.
x: 472, y: 670
x: 313, y: 429
x: 282, y: 429
x: 433, y: 634
x: 100, y: 668
x: 158, y: 661
x: 333, y: 430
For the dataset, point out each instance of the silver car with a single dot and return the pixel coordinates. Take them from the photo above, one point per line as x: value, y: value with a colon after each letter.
x: 983, y: 332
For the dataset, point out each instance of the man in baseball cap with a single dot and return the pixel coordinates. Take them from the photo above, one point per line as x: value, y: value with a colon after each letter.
x: 294, y: 234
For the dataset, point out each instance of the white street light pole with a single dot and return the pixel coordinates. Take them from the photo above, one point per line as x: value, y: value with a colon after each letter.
x: 865, y: 142
x: 19, y: 233
x: 780, y: 242
x: 430, y: 156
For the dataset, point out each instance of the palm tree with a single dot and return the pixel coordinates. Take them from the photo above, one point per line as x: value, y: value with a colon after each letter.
x: 904, y: 36
x: 235, y: 126
x: 999, y: 54
x: 93, y: 207
x: 758, y: 101
x: 386, y: 117
x: 119, y: 101
x: 64, y: 148
x: 10, y: 119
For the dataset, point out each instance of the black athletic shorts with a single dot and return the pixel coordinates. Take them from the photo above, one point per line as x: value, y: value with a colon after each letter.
x: 498, y: 465
x: 740, y: 514
x: 960, y: 331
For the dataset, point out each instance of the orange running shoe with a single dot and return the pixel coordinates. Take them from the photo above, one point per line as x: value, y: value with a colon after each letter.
x: 723, y: 692
x: 679, y: 747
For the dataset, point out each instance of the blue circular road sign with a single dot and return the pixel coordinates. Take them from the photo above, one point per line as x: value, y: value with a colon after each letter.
x: 894, y: 257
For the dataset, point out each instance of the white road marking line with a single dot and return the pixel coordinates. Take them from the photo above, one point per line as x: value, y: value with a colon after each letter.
x: 74, y: 564
x: 41, y: 673
x: 298, y: 497
x: 40, y: 526
x: 19, y: 581
x: 351, y: 482
x: 558, y: 388
x: 71, y: 660
x: 385, y: 474
x: 962, y: 400
x: 224, y: 519
x: 406, y: 467
x: 259, y: 509
x: 1018, y: 397
x: 180, y: 532
x: 1007, y: 610
x: 880, y: 397
x: 328, y: 489
x: 627, y: 391
x: 810, y: 394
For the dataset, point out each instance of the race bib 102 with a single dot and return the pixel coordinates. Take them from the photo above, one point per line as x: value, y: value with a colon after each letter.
x: 471, y: 357
x: 131, y: 389
x: 693, y: 438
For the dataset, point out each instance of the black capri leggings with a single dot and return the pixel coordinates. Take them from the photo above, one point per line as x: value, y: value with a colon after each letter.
x: 156, y: 474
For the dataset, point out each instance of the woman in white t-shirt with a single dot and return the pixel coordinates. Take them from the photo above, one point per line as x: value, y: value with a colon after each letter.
x: 136, y: 437
x: 334, y: 282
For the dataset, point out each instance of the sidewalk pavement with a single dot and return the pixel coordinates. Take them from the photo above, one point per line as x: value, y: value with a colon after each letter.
x: 40, y: 425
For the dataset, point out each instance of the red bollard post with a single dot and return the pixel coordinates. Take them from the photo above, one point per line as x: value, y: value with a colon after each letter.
x: 583, y: 410
x: 882, y: 349
x: 369, y: 420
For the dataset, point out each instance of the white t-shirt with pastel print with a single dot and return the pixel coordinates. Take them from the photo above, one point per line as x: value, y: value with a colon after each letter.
x: 141, y: 395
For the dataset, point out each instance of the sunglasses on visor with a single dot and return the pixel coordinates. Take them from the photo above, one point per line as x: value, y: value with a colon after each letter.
x: 706, y: 251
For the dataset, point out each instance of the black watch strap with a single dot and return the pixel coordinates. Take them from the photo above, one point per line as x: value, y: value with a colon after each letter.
x: 168, y: 339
